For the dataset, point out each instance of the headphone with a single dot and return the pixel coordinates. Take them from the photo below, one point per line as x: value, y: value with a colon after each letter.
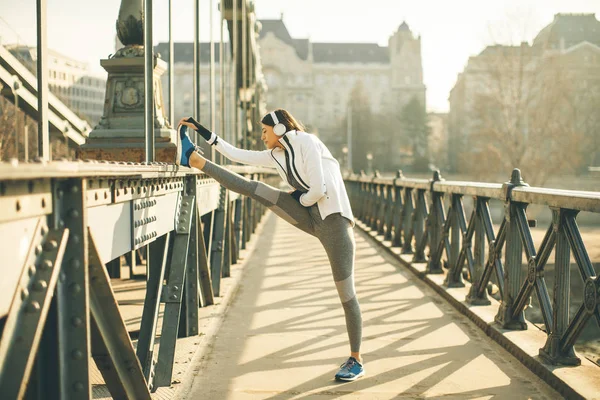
x: 279, y: 128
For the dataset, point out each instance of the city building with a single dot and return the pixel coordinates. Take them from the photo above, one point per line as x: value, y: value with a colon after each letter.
x: 70, y: 80
x: 548, y: 88
x: 438, y: 139
x: 184, y: 79
x: 316, y: 79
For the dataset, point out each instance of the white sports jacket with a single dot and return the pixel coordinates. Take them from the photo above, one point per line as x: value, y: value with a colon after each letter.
x: 312, y: 164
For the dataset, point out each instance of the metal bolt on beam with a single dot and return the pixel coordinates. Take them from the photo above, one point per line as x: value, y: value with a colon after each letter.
x: 40, y: 285
x: 74, y: 289
x: 50, y: 245
x: 32, y: 307
x: 78, y: 387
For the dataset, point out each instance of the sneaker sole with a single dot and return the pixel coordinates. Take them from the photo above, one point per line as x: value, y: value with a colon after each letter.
x: 362, y: 373
x: 178, y: 155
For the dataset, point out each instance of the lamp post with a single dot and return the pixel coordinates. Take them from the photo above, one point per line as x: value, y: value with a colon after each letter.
x: 345, y: 157
x: 369, y: 163
x: 349, y: 137
x: 134, y: 126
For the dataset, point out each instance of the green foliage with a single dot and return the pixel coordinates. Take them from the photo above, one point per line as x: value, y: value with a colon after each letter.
x: 415, y: 130
x: 362, y: 127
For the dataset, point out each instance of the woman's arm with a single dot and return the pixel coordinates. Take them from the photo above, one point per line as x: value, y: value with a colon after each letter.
x: 250, y: 157
x: 314, y: 169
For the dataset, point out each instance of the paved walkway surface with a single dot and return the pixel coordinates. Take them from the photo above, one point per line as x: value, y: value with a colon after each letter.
x: 283, y: 336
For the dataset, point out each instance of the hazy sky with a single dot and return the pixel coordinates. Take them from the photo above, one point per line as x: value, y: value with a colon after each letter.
x: 451, y: 31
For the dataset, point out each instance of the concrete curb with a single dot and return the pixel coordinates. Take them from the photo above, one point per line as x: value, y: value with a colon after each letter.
x: 524, y: 345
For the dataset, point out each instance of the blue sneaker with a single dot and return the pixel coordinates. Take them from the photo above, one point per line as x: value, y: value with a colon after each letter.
x: 350, y: 370
x: 185, y: 147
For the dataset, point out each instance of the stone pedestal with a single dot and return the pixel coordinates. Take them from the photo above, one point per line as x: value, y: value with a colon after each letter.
x: 120, y: 136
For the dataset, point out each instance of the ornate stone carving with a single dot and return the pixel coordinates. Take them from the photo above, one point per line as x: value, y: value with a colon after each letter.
x: 129, y: 95
x: 130, y: 51
x: 589, y: 295
x: 130, y: 24
x: 531, y: 270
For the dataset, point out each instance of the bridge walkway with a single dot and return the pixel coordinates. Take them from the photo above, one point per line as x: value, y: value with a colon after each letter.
x: 283, y: 335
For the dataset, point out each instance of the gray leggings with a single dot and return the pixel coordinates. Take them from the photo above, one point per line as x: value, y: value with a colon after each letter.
x: 335, y: 234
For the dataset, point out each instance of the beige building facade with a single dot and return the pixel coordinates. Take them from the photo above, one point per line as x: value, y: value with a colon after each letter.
x: 70, y: 80
x: 437, y: 141
x: 310, y: 79
x: 558, y: 71
x: 314, y: 80
x: 184, y: 81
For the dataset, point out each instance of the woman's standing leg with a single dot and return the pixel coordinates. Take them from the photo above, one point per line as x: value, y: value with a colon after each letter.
x: 337, y: 236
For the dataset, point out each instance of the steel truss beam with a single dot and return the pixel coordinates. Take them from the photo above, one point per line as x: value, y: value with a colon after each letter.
x: 24, y: 325
x: 112, y: 349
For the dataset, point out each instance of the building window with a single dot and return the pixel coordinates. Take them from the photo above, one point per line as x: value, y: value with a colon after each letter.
x: 272, y: 79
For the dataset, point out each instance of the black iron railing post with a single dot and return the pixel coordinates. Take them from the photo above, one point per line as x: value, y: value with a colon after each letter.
x: 481, y: 204
x: 407, y: 212
x: 514, y: 259
x: 456, y: 259
x: 398, y: 212
x: 390, y: 209
x: 552, y: 351
x: 420, y: 219
x: 435, y: 223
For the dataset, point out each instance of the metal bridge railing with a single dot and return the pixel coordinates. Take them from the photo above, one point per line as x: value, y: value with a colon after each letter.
x: 410, y: 213
x: 61, y: 223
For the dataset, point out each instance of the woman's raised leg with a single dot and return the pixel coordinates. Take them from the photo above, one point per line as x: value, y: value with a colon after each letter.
x: 278, y: 201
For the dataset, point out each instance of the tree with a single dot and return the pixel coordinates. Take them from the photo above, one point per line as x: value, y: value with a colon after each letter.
x: 584, y: 103
x: 415, y: 130
x: 520, y: 116
x: 364, y: 138
x: 9, y: 130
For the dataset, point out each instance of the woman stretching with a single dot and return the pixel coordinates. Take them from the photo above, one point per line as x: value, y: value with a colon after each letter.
x: 318, y: 205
